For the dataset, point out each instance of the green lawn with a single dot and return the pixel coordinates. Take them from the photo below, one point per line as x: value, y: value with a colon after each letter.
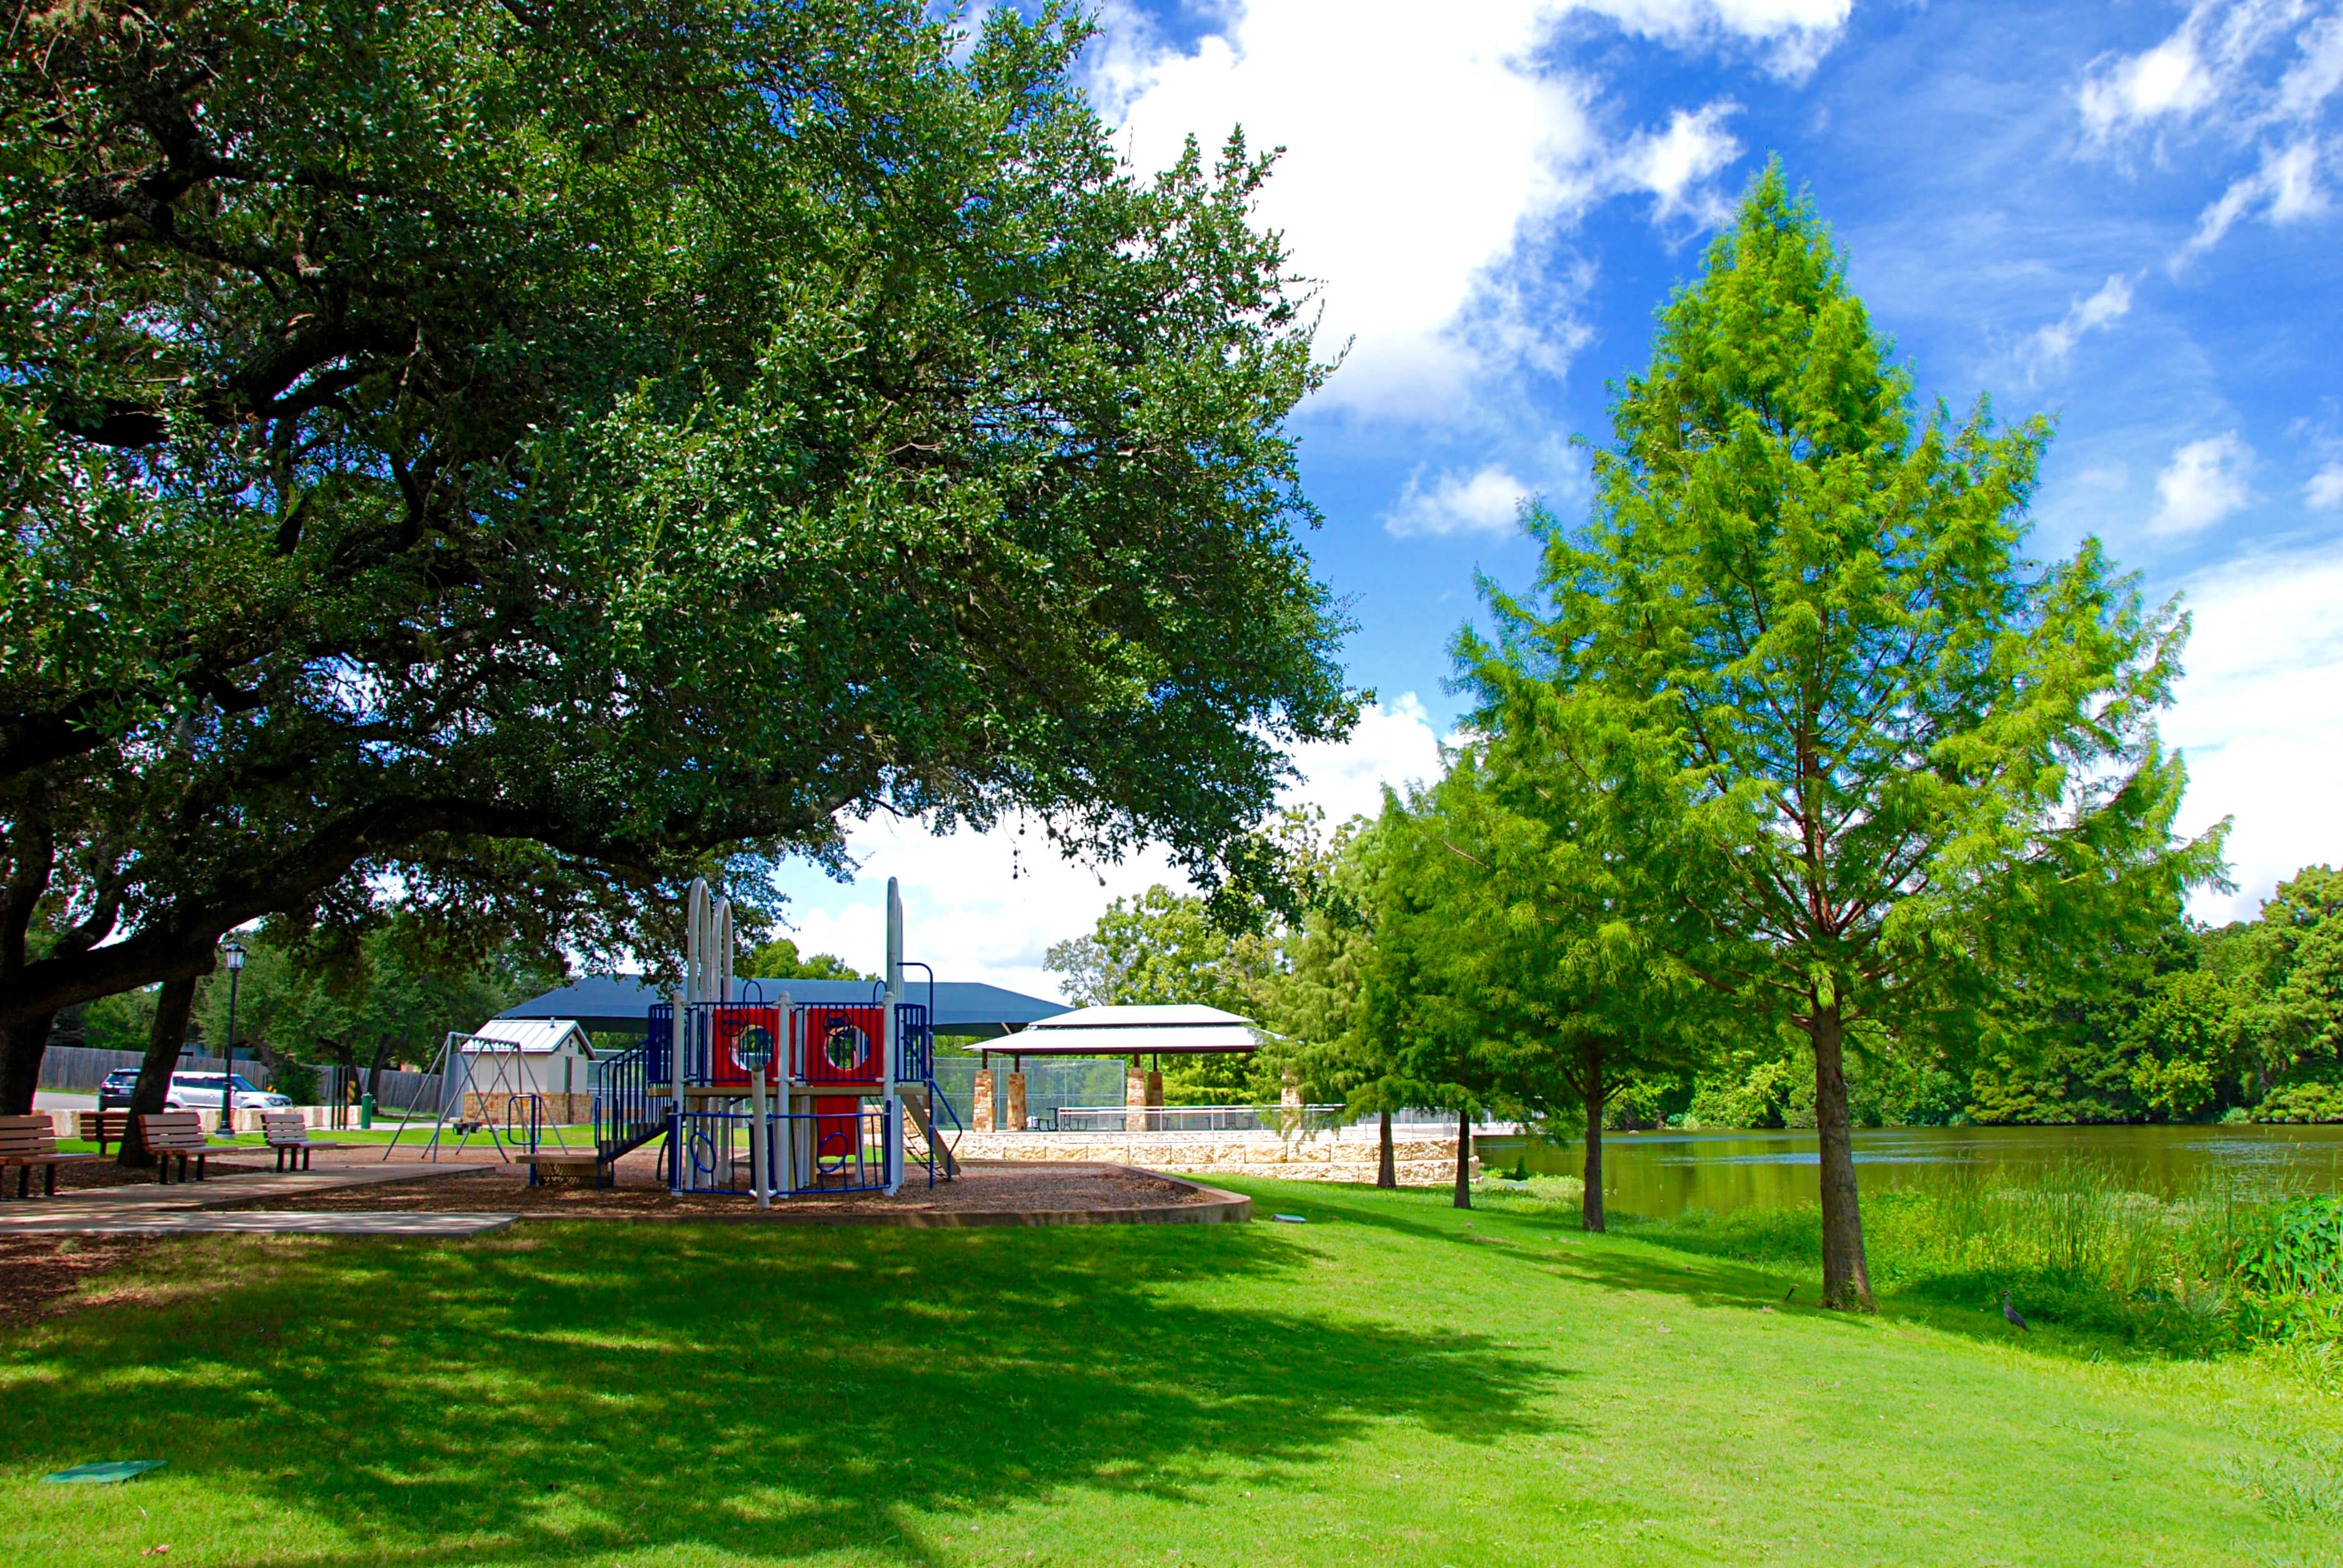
x: 1393, y: 1383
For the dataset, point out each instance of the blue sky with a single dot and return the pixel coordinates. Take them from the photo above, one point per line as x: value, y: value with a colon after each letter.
x: 2123, y: 217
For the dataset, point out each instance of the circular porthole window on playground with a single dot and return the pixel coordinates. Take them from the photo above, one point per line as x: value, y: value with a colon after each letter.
x: 752, y: 1047
x: 844, y: 1045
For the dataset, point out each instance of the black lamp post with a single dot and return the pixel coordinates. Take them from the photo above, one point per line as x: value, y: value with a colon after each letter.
x: 231, y: 956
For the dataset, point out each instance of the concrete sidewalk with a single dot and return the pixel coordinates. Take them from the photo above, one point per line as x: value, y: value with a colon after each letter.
x: 258, y: 1222
x: 37, y: 1215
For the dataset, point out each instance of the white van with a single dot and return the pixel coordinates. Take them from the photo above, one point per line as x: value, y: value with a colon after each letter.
x: 202, y: 1091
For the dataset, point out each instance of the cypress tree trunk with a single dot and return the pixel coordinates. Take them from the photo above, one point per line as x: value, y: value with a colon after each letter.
x: 172, y: 1005
x: 1387, y: 1167
x: 21, y: 1049
x: 1590, y: 1205
x: 1463, y: 1160
x: 1846, y: 1281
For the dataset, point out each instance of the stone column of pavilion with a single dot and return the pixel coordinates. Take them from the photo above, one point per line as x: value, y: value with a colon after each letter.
x: 980, y: 1113
x: 1016, y: 1087
x: 1135, y: 1096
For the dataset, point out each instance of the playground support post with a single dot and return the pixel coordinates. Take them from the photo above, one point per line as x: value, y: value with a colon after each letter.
x: 890, y: 1031
x: 760, y: 1136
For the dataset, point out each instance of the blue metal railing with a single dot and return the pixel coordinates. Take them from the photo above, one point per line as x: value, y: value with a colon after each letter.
x: 842, y: 1151
x: 624, y: 1114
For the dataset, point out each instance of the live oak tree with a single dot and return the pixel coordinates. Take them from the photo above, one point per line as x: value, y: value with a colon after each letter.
x: 529, y: 456
x: 1898, y: 758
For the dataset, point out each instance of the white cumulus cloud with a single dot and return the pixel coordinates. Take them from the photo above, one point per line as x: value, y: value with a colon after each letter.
x: 2285, y: 189
x: 2124, y: 91
x: 2325, y: 487
x: 1429, y: 161
x: 1486, y: 502
x: 2260, y: 717
x: 2050, y: 347
x: 1677, y: 165
x: 1415, y: 157
x: 2258, y: 74
x: 2204, y: 482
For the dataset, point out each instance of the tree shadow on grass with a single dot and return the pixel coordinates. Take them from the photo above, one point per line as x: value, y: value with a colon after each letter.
x: 2073, y: 1317
x: 1556, y: 1246
x: 610, y: 1387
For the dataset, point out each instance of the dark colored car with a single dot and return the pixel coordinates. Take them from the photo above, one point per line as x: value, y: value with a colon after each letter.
x: 114, y: 1094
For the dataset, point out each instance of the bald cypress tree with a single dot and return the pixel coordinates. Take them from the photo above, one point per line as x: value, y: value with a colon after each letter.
x: 1883, y: 761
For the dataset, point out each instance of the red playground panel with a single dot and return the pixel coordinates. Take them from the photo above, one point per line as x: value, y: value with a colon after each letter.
x: 837, y: 1132
x: 839, y: 1045
x: 752, y: 1031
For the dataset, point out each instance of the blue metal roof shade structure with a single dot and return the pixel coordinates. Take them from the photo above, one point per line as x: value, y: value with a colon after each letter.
x: 600, y: 1005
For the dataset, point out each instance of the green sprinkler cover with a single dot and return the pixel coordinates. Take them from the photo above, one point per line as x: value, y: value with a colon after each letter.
x: 106, y: 1471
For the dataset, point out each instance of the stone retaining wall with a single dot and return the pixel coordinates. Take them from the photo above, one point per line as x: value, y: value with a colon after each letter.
x: 1421, y: 1161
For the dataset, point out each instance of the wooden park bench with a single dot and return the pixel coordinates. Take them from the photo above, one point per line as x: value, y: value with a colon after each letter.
x: 103, y: 1127
x: 285, y: 1132
x: 29, y: 1140
x: 179, y: 1133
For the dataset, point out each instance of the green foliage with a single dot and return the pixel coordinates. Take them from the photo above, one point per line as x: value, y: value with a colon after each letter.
x: 777, y: 959
x: 2302, y: 1252
x: 2185, y: 1025
x: 1161, y: 949
x: 1521, y: 965
x: 1166, y: 948
x: 388, y: 998
x: 2081, y: 1248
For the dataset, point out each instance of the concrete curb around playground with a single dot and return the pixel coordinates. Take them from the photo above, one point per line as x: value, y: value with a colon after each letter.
x: 1219, y: 1207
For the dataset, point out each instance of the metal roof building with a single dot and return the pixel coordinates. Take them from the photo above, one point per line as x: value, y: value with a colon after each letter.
x: 604, y: 1005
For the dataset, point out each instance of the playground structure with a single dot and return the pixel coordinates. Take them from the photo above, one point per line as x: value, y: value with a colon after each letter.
x: 768, y: 1099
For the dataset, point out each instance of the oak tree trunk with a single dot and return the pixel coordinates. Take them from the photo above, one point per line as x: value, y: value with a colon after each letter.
x: 1846, y: 1281
x: 173, y: 1004
x: 22, y: 1046
x: 1387, y: 1164
x: 1597, y: 1092
x: 1463, y: 1160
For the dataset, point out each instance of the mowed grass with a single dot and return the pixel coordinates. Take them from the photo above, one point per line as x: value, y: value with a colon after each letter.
x: 1393, y: 1383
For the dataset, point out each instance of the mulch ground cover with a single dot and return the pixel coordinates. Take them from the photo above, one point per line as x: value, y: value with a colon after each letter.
x: 504, y: 1189
x: 91, y: 1175
x: 42, y: 1274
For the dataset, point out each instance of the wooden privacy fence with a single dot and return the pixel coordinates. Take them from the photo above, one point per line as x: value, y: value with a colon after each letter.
x: 79, y: 1069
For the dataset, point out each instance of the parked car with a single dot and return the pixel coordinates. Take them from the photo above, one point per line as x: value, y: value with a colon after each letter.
x: 189, y: 1091
x: 201, y: 1092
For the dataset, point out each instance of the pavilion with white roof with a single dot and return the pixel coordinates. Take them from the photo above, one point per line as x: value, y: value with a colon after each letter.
x: 1136, y: 1034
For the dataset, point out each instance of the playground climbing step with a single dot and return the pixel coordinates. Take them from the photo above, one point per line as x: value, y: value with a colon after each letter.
x: 38, y: 1216
x: 265, y: 1222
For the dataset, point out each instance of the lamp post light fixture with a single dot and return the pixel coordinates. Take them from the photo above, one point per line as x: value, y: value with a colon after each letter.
x: 233, y: 955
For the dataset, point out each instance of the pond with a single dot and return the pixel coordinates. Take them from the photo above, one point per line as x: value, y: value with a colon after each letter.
x: 1660, y: 1174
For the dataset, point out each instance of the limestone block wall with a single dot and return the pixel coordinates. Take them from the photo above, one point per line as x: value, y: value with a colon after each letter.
x: 560, y: 1108
x: 1324, y: 1157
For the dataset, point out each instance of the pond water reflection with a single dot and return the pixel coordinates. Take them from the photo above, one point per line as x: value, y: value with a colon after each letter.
x: 1663, y: 1173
